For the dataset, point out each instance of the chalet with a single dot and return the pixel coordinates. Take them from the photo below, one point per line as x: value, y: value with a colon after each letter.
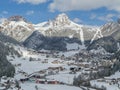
x: 52, y: 82
x: 39, y: 59
x: 56, y: 68
x: 56, y: 62
x: 106, y: 63
x: 25, y: 79
x: 23, y: 73
x: 73, y: 70
x: 40, y: 81
x: 42, y: 71
x: 43, y: 81
x: 17, y: 65
x: 101, y: 80
x: 32, y: 59
x: 37, y: 76
x: 62, y: 57
x: 45, y: 61
x: 70, y: 63
x: 85, y: 65
x: 118, y: 79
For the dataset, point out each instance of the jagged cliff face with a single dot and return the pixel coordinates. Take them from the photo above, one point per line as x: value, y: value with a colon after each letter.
x: 61, y: 20
x: 17, y: 28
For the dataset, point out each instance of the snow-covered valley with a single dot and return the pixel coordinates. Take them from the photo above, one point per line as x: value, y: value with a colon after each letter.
x: 49, y: 70
x: 59, y: 54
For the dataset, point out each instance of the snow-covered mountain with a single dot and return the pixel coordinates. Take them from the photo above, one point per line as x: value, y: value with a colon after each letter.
x: 111, y: 38
x: 62, y: 26
x: 110, y: 28
x: 90, y: 37
x: 55, y: 50
x: 16, y: 27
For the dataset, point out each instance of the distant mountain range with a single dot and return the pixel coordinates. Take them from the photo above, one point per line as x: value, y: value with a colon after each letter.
x: 62, y: 34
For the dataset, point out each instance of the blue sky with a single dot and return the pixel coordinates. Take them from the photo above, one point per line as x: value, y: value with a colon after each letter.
x: 91, y: 12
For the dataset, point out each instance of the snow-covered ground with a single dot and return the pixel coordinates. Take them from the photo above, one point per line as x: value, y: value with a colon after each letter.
x: 75, y: 46
x: 30, y: 67
x: 63, y: 77
x: 23, y: 64
x: 31, y: 86
x: 107, y: 82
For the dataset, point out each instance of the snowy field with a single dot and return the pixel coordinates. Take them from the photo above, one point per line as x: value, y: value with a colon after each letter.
x: 30, y: 67
x: 31, y: 86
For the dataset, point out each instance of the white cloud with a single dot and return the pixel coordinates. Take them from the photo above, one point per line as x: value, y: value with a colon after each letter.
x: 77, y: 20
x: 4, y: 12
x: 30, y: 12
x: 69, y: 5
x: 107, y: 17
x: 35, y: 2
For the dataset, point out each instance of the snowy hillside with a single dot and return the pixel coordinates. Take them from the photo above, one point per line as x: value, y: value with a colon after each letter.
x: 16, y: 28
x: 38, y: 41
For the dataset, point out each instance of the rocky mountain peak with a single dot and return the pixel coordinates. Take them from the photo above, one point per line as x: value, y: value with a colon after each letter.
x: 17, y: 27
x: 17, y: 18
x: 61, y: 19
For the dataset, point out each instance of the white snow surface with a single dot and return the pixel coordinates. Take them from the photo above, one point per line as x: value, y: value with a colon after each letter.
x: 31, y: 86
x: 74, y: 46
x: 33, y: 66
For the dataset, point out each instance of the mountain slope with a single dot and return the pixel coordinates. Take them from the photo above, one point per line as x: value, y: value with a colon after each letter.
x: 108, y: 43
x: 7, y: 39
x: 6, y: 48
x: 111, y: 38
x: 110, y: 28
x: 6, y: 68
x: 16, y: 27
x: 38, y: 41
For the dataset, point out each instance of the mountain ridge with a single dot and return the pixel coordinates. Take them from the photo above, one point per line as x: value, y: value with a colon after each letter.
x: 61, y: 27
